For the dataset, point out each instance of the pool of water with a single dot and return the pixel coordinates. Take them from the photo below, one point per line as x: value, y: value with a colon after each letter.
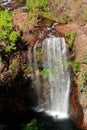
x: 16, y: 121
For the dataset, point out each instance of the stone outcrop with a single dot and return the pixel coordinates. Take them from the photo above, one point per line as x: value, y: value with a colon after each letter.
x: 80, y: 46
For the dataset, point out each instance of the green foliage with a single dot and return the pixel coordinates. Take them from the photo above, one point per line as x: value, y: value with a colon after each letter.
x: 33, y: 5
x: 37, y: 8
x: 68, y: 34
x: 85, y: 14
x: 75, y: 0
x: 38, y: 54
x: 65, y: 18
x: 49, y: 15
x: 84, y: 78
x: 45, y: 73
x: 14, y: 66
x: 71, y: 37
x: 0, y: 59
x: 31, y: 19
x: 84, y: 83
x: 76, y: 65
x: 84, y: 60
x: 7, y: 34
x: 31, y: 126
x: 20, y: 1
x: 85, y: 18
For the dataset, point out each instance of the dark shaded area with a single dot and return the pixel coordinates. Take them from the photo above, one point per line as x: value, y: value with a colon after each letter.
x: 16, y: 121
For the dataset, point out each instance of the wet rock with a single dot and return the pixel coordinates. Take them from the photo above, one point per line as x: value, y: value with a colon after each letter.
x: 5, y: 77
x: 23, y: 57
x: 75, y: 108
x: 2, y: 65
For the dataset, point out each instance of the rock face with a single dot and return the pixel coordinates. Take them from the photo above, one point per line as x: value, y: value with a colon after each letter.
x: 81, y: 55
x: 76, y: 9
x: 19, y: 90
x: 80, y: 46
x: 75, y: 108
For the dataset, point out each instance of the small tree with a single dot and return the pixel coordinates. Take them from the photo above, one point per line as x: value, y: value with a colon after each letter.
x: 7, y: 34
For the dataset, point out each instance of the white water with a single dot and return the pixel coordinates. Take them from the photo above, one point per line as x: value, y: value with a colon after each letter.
x: 5, y: 2
x: 53, y: 94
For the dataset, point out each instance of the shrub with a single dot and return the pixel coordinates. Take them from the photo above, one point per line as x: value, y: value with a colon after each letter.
x: 84, y: 60
x: 68, y: 34
x: 38, y: 8
x: 71, y: 37
x: 33, y: 5
x: 66, y: 18
x: 84, y: 78
x: 32, y: 19
x: 31, y: 126
x: 49, y: 15
x: 7, y: 34
x: 75, y: 65
x: 84, y: 83
x: 45, y: 73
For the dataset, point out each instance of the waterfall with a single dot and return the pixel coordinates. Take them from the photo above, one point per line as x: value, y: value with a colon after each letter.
x: 53, y: 91
x: 5, y: 2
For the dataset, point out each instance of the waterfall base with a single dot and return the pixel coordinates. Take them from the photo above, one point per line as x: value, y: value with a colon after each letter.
x: 54, y: 114
x: 46, y: 122
x: 57, y: 115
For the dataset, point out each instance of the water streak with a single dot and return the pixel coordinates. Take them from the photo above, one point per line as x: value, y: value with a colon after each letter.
x: 54, y: 98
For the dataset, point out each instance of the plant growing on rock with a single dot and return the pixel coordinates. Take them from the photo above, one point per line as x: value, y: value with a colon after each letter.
x: 7, y: 34
x: 85, y: 14
x: 75, y: 66
x: 35, y: 9
x: 31, y: 126
x: 84, y: 60
x: 65, y: 18
x: 38, y: 54
x: 40, y: 5
x: 84, y: 83
x: 84, y: 78
x: 14, y: 66
x: 0, y: 59
x: 32, y: 19
x: 71, y: 38
x: 45, y: 73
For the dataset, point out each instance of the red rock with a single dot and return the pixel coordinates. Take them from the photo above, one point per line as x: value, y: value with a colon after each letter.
x: 76, y: 111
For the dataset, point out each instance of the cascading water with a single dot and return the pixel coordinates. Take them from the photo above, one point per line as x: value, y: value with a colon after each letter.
x: 53, y: 93
x: 5, y: 2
